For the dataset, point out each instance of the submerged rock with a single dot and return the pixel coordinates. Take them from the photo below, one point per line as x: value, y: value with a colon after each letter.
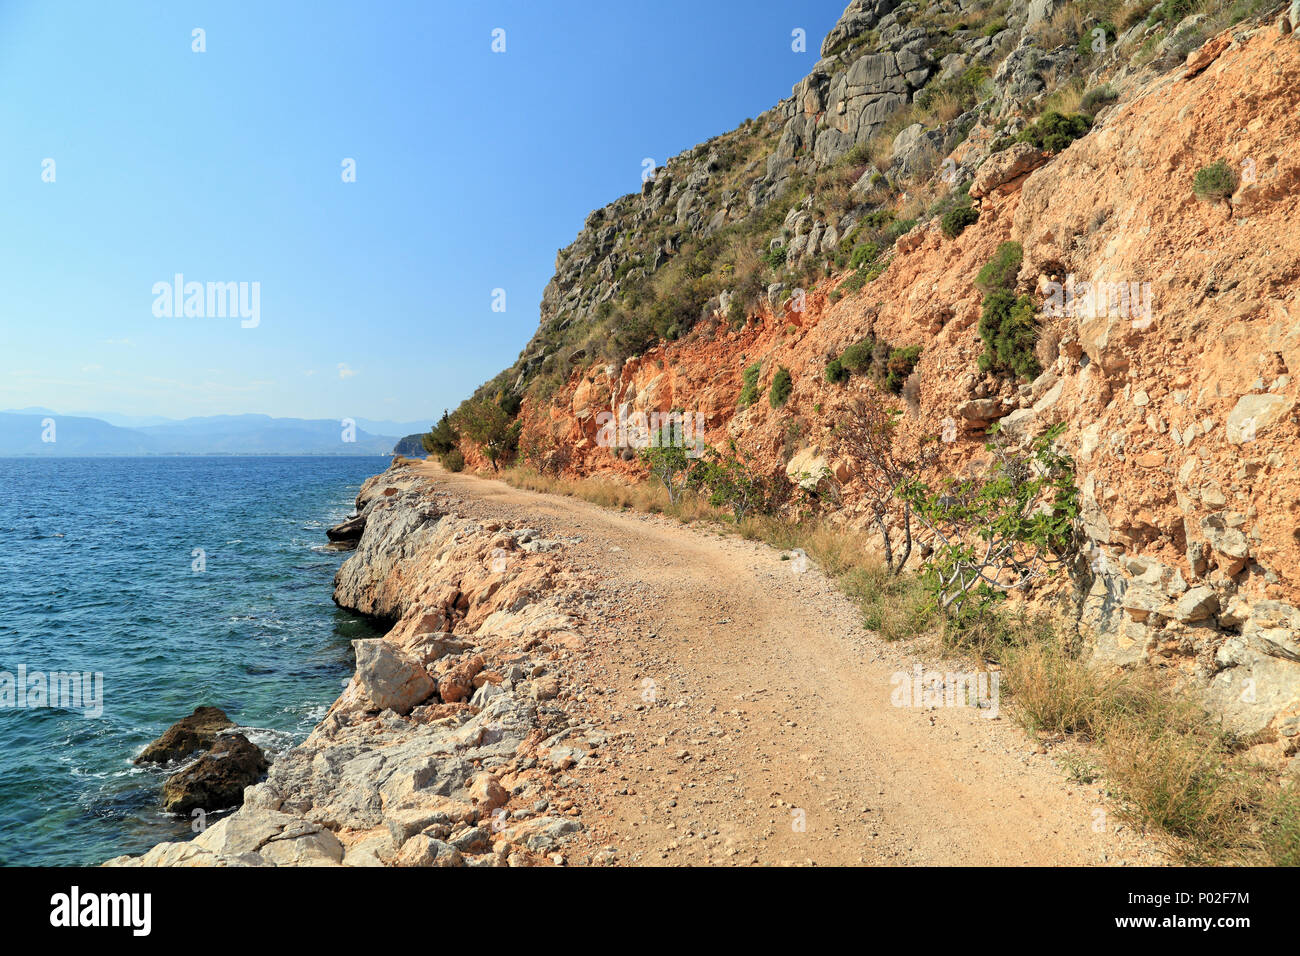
x: 198, y: 731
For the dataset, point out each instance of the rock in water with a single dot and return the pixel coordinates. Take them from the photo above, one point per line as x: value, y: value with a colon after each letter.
x: 348, y: 531
x: 218, y: 778
x: 198, y: 731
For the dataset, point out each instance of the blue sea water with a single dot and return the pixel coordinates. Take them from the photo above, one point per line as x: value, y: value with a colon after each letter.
x: 98, y: 574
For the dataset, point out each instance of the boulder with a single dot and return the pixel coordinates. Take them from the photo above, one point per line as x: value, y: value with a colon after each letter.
x: 978, y: 413
x: 1200, y: 58
x: 1230, y: 546
x: 218, y: 778
x: 431, y: 646
x: 424, y: 850
x: 486, y: 792
x: 198, y: 731
x: 1259, y: 670
x: 457, y: 683
x: 1254, y: 413
x: 808, y: 467
x: 1198, y: 604
x: 1004, y: 167
x: 1141, y: 601
x: 389, y: 679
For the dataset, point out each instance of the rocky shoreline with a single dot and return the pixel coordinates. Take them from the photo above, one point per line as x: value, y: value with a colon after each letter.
x: 448, y: 745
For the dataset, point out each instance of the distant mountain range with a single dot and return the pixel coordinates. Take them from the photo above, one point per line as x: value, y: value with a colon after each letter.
x: 28, y: 431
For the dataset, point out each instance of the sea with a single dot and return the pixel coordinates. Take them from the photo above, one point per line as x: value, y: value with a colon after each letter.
x: 170, y: 583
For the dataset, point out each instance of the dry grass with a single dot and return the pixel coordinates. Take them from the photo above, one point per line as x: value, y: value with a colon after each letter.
x: 880, y: 149
x: 1065, y: 99
x: 1130, y: 13
x: 943, y: 107
x: 1064, y: 26
x: 1174, y: 768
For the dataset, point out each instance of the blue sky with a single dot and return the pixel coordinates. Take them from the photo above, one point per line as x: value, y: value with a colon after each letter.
x: 472, y: 169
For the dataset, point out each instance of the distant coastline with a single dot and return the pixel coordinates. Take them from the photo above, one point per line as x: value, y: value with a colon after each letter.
x: 39, y: 432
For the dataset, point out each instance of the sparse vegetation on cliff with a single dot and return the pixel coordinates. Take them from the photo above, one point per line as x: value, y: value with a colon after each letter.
x: 782, y: 385
x: 749, y: 385
x: 1007, y: 321
x: 1214, y: 182
x: 1051, y: 132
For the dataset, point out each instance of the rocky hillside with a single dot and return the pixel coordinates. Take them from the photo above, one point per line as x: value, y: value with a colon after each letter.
x: 1127, y: 166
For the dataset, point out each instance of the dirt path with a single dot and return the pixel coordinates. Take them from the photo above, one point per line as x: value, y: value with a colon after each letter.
x: 770, y: 706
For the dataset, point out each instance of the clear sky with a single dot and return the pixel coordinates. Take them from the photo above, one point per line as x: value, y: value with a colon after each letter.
x: 375, y: 296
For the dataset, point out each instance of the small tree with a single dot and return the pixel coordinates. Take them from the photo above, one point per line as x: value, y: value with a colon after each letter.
x: 669, y: 462
x: 488, y: 425
x: 733, y: 482
x: 868, y: 434
x: 1004, y: 531
x: 441, y: 438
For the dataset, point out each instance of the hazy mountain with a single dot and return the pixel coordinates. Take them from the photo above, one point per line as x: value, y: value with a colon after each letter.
x: 72, y: 435
x: 27, y: 433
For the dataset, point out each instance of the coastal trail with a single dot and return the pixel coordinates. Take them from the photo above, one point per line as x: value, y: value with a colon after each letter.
x: 750, y: 719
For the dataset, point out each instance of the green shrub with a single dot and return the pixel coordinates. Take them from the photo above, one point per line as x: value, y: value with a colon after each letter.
x: 899, y: 366
x: 1009, y: 331
x: 836, y: 373
x: 1054, y: 131
x: 1097, y: 97
x: 863, y: 253
x: 876, y: 219
x: 1215, y: 181
x: 453, y: 460
x: 896, y: 229
x: 955, y: 220
x: 782, y: 385
x: 749, y: 387
x: 1001, y: 271
x: 994, y: 28
x: 736, y: 314
x: 858, y: 155
x: 857, y: 358
x: 775, y: 257
x: 1007, y: 323
x: 1171, y: 11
